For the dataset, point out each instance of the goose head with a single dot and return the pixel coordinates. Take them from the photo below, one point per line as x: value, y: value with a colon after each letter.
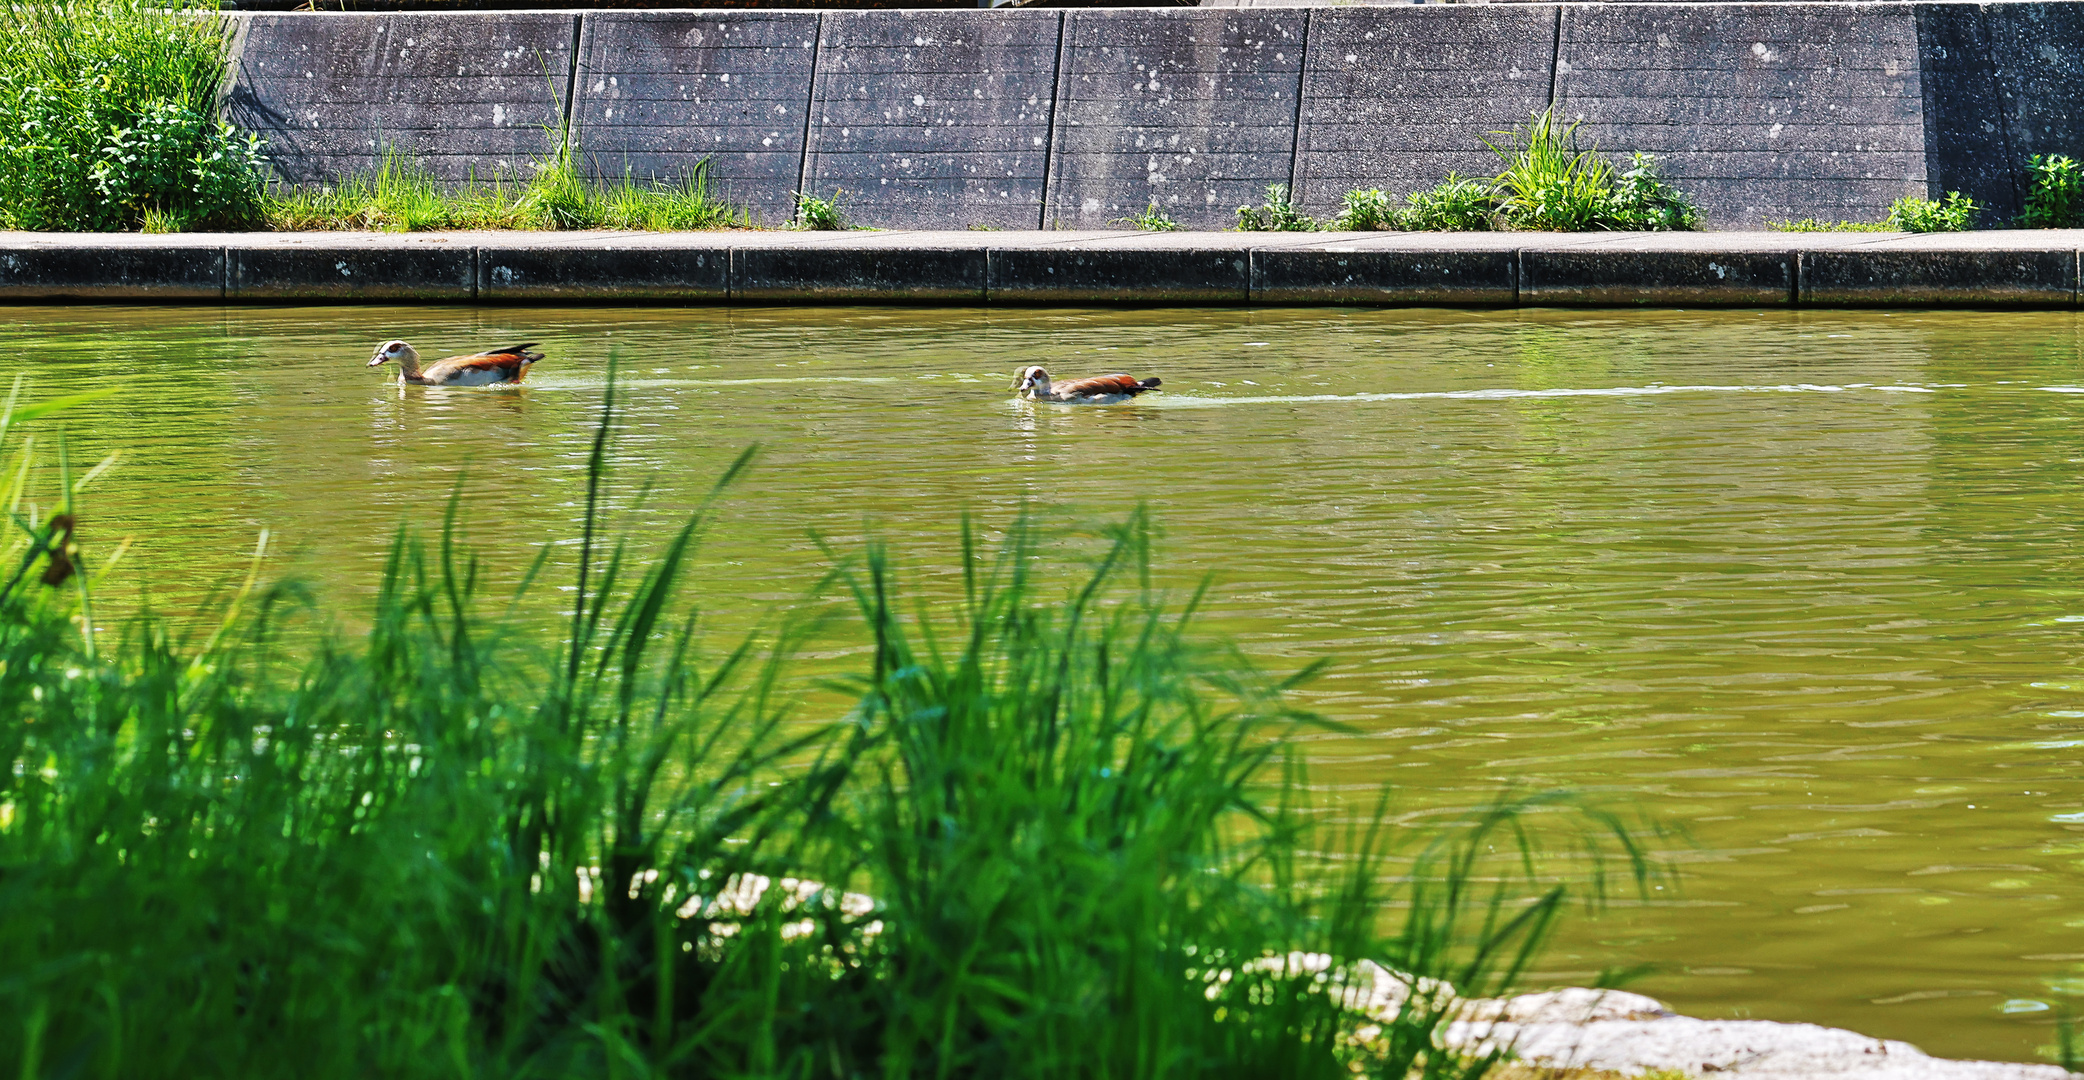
x: 1032, y: 379
x: 394, y: 350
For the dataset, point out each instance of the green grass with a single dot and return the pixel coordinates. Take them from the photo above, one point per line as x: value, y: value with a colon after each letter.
x: 111, y: 107
x: 1367, y: 210
x: 1549, y: 182
x: 1061, y: 832
x: 1457, y: 204
x: 1150, y: 219
x: 1817, y: 225
x: 400, y: 196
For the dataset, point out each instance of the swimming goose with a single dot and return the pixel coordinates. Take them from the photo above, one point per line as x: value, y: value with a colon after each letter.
x: 508, y: 365
x: 1034, y: 385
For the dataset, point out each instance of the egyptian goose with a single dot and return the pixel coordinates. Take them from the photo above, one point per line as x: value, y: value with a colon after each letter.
x: 508, y: 365
x: 1034, y: 385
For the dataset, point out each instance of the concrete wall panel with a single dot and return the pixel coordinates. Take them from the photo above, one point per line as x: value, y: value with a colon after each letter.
x: 1760, y: 111
x: 1714, y: 89
x: 1398, y: 97
x: 939, y: 118
x: 659, y: 92
x: 2002, y: 82
x: 465, y: 94
x: 1192, y: 108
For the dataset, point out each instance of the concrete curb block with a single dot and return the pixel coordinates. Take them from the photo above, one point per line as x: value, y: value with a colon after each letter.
x: 2038, y: 269
x: 827, y: 274
x: 616, y: 273
x: 1148, y: 276
x: 2041, y: 279
x: 88, y: 271
x: 351, y: 273
x: 1604, y: 277
x: 1447, y: 278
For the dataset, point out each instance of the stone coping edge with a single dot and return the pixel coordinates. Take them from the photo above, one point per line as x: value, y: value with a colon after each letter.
x: 2020, y: 269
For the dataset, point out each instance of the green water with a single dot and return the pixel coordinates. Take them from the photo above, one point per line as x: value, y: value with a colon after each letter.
x: 1805, y: 583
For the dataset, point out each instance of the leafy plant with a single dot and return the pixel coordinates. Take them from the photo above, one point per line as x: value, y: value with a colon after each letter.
x: 819, y: 214
x: 2054, y: 193
x: 1369, y: 210
x: 112, y: 105
x: 1278, y: 214
x: 1642, y: 200
x: 1955, y: 213
x: 1458, y: 204
x: 1150, y: 219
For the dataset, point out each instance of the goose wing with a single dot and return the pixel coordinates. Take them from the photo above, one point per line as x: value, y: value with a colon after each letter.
x: 510, y: 354
x: 493, y: 365
x: 1103, y: 384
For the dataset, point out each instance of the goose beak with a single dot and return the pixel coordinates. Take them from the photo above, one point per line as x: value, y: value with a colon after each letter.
x: 377, y: 359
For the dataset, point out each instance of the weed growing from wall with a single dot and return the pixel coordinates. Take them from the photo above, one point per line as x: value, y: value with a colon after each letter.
x: 1277, y: 214
x: 1642, y: 200
x: 819, y: 214
x: 1955, y: 213
x: 1457, y: 204
x: 1546, y: 182
x: 1370, y: 210
x: 109, y: 109
x: 1151, y: 219
x: 2054, y: 193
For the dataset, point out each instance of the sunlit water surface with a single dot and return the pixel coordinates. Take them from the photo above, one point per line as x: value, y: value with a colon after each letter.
x: 1807, y: 584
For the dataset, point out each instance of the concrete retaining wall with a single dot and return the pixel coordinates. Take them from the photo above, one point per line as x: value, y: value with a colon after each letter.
x: 1069, y: 119
x: 1990, y: 269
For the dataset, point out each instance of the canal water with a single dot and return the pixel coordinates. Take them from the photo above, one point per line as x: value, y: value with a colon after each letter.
x: 1806, y: 584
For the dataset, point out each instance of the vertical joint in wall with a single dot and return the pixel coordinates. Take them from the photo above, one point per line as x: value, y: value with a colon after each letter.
x: 1056, y: 83
x: 1555, y: 59
x: 1302, y: 82
x: 810, y: 107
x: 571, y: 82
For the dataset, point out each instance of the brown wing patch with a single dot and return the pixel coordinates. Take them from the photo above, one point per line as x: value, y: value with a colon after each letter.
x: 509, y: 365
x: 510, y: 353
x: 1100, y: 384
